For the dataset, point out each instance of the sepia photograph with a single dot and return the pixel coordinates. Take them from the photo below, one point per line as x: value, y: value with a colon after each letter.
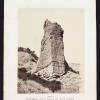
x: 50, y: 50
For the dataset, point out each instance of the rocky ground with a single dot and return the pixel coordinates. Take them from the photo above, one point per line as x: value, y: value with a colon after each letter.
x: 30, y: 83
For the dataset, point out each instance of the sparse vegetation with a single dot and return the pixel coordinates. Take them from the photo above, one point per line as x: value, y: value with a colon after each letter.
x: 27, y: 50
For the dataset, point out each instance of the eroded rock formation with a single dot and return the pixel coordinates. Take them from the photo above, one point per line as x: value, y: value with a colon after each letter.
x: 51, y: 60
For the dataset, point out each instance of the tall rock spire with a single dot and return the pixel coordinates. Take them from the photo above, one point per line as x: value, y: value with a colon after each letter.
x: 51, y: 60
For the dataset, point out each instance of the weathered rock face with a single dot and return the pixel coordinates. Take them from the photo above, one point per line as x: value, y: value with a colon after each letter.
x: 51, y: 60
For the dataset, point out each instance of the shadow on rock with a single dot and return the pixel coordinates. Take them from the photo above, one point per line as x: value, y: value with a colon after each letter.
x: 52, y: 85
x: 68, y: 68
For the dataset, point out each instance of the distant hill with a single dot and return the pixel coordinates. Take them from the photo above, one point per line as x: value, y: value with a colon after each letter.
x: 26, y: 59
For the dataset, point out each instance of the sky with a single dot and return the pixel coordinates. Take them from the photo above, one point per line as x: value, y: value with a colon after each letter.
x: 31, y: 31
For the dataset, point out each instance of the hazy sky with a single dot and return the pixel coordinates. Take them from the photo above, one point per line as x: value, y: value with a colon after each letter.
x: 71, y: 20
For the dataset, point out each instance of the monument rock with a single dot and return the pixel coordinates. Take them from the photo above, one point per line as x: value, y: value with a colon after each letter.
x: 51, y: 61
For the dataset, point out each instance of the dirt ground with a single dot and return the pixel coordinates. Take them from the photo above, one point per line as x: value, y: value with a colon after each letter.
x: 68, y: 83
